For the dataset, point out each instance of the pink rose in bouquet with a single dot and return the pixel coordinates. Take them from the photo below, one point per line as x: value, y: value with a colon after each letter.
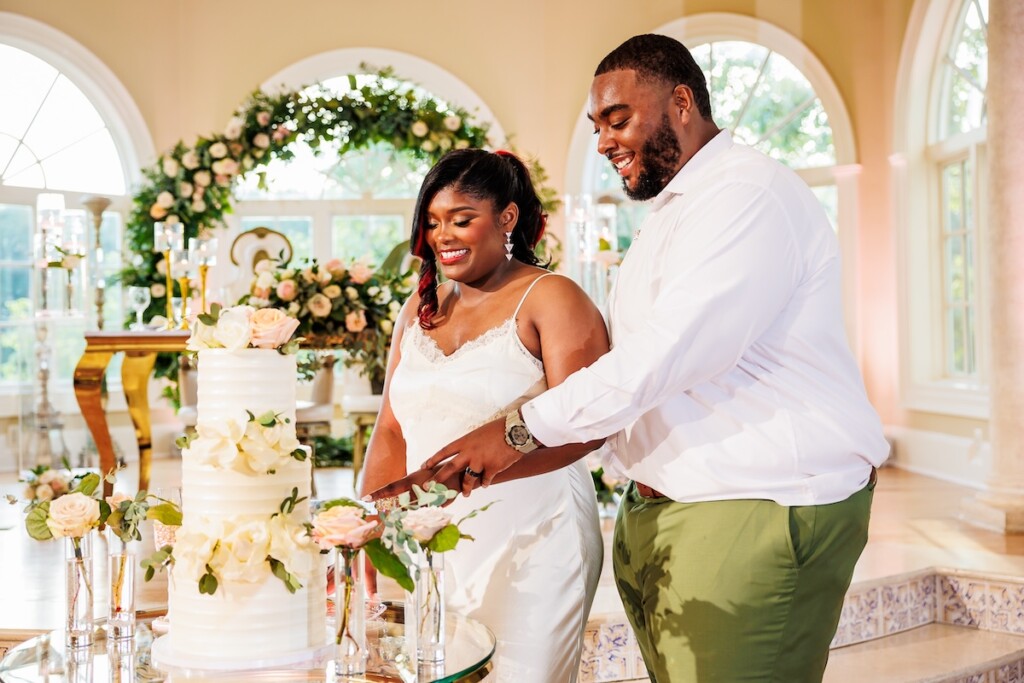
x: 360, y: 272
x: 355, y: 321
x: 271, y: 328
x: 287, y: 290
x: 319, y: 306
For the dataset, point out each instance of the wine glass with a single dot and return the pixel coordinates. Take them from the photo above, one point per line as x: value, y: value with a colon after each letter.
x: 138, y: 299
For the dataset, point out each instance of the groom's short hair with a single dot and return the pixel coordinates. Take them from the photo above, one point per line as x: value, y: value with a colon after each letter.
x: 659, y: 58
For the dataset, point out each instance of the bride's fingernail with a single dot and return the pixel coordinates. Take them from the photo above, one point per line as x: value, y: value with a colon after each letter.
x: 367, y: 499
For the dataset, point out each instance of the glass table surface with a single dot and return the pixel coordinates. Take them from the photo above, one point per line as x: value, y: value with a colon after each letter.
x: 44, y: 659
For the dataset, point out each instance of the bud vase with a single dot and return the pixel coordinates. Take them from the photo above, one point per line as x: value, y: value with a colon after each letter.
x: 121, y: 612
x: 121, y: 659
x: 350, y: 653
x: 429, y: 600
x: 78, y: 583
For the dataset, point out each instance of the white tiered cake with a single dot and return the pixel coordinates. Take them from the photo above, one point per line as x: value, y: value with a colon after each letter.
x: 243, y: 532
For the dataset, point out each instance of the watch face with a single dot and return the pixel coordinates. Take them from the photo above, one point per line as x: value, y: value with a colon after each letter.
x: 519, y: 435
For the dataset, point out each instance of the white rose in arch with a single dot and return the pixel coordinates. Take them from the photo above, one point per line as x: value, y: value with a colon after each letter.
x: 157, y: 290
x: 218, y: 150
x: 201, y: 178
x: 445, y: 144
x: 198, y: 205
x: 428, y: 146
x: 185, y: 189
x: 453, y: 122
x: 261, y: 140
x: 420, y: 129
x: 170, y: 167
x: 386, y: 326
x: 234, y: 128
x: 424, y: 523
x: 461, y: 144
x: 165, y: 200
x: 263, y: 118
x: 225, y: 167
x: 190, y: 160
x: 332, y: 291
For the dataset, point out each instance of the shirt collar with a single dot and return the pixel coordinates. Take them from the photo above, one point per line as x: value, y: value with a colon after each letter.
x: 692, y: 168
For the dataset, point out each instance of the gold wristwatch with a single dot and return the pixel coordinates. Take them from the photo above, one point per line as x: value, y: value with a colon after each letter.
x: 517, y: 435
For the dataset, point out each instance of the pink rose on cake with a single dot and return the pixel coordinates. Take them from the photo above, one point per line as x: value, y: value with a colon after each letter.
x: 343, y: 525
x: 271, y: 328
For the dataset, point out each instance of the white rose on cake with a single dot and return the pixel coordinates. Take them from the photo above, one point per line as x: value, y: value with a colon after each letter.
x: 242, y: 552
x: 260, y: 446
x: 291, y: 545
x: 233, y: 330
x: 193, y: 549
x: 217, y: 443
x: 201, y: 337
x: 73, y: 515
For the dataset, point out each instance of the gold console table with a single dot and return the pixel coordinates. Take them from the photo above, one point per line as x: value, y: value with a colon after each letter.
x: 140, y: 349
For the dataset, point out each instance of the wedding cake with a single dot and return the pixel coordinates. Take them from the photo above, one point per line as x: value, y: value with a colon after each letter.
x: 247, y: 585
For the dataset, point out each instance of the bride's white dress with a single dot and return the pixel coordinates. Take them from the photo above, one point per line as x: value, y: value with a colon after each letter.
x: 531, y: 573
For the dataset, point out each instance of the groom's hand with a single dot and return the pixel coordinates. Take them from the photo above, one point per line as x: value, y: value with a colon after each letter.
x: 477, y: 458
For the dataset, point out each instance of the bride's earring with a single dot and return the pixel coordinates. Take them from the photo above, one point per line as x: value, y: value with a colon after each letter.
x: 508, y: 245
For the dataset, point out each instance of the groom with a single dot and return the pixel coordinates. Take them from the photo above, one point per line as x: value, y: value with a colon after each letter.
x: 736, y: 407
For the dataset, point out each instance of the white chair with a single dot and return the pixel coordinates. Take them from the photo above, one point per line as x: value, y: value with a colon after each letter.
x: 251, y: 247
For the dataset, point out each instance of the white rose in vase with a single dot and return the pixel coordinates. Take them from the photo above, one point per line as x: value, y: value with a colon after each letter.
x: 73, y: 515
x: 424, y: 523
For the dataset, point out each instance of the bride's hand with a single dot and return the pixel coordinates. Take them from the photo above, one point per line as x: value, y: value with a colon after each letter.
x: 477, y: 458
x: 419, y: 477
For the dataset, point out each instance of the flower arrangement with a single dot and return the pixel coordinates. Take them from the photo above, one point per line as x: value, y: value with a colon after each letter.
x: 257, y: 445
x: 44, y: 484
x: 351, y: 305
x: 242, y: 327
x: 192, y: 183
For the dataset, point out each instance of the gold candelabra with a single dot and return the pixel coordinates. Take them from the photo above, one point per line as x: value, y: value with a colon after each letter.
x: 203, y: 270
x: 170, y: 291
x: 183, y: 285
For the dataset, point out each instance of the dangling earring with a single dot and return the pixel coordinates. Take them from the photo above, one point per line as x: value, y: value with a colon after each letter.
x: 508, y: 245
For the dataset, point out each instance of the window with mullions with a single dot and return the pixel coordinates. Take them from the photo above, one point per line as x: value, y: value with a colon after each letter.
x: 960, y: 116
x: 766, y: 102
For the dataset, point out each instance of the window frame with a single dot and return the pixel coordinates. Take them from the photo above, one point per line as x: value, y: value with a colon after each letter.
x: 916, y: 163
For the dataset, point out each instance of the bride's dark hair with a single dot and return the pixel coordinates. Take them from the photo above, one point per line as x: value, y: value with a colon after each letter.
x: 500, y: 177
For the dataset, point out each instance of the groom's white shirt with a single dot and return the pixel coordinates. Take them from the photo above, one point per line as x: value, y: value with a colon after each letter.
x: 729, y: 375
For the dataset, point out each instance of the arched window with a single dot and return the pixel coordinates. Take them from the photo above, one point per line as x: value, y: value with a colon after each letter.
x: 939, y: 165
x: 67, y: 126
x: 793, y: 114
x: 358, y: 204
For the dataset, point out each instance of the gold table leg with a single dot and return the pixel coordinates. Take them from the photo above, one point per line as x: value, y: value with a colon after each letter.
x: 88, y: 380
x: 135, y: 372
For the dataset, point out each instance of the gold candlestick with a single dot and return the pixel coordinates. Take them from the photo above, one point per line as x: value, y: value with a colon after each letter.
x: 183, y: 284
x: 203, y: 270
x: 170, y: 291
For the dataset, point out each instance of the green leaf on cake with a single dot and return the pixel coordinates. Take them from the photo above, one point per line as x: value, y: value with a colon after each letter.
x: 208, y: 582
x: 35, y: 522
x: 281, y: 572
x: 444, y: 540
x: 299, y: 454
x: 388, y: 564
x: 183, y: 441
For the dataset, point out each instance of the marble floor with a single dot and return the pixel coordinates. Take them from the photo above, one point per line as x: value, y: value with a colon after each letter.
x: 915, y: 525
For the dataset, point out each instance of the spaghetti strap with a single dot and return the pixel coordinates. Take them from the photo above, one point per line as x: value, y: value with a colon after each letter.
x: 527, y: 293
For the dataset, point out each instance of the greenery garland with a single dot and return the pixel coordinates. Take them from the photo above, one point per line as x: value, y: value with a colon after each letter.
x: 192, y: 184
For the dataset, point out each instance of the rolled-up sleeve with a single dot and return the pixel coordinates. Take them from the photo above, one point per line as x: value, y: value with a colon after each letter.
x: 724, y: 282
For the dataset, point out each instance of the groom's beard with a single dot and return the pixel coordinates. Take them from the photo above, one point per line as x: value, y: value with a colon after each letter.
x: 658, y: 158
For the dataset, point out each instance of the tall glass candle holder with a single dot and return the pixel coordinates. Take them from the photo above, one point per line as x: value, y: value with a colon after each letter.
x: 203, y: 254
x: 167, y: 237
x: 180, y: 264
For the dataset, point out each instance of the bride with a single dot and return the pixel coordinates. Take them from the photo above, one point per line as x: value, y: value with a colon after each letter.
x: 497, y: 332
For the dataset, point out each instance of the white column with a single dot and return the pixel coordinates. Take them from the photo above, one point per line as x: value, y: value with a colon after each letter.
x: 1002, y: 505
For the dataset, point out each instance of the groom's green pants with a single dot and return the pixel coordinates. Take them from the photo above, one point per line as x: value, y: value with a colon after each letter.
x: 736, y: 590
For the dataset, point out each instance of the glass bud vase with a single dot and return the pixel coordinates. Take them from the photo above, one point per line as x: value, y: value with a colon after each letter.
x: 78, y: 593
x: 350, y: 652
x: 121, y: 611
x: 429, y: 599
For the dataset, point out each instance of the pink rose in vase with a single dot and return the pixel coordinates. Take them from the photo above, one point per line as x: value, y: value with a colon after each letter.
x: 271, y: 328
x: 343, y: 525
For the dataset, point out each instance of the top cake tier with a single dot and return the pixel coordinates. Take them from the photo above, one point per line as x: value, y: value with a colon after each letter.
x: 256, y: 380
